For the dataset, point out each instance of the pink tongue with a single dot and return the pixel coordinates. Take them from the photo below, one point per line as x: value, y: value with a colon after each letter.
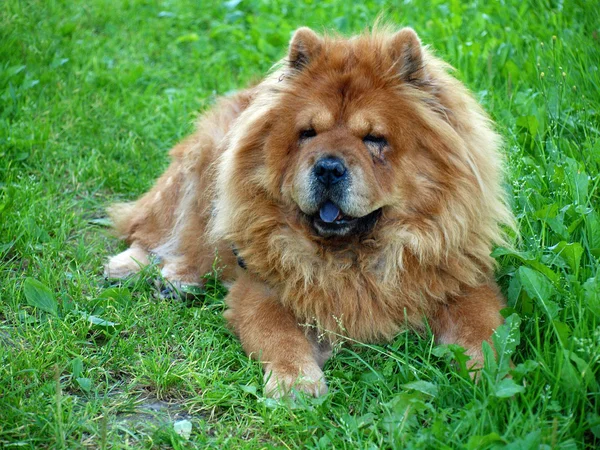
x: 329, y: 212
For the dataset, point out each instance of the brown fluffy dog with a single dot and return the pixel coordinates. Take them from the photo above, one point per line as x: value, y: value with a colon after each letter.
x: 359, y: 183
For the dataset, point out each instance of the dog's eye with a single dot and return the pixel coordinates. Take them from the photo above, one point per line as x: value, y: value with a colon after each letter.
x: 375, y: 141
x: 307, y: 134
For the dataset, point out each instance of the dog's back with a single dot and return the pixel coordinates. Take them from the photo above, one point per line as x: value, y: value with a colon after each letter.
x: 160, y: 221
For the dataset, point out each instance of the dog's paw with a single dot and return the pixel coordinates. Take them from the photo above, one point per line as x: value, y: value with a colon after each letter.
x: 282, y: 382
x: 126, y: 263
x: 178, y: 290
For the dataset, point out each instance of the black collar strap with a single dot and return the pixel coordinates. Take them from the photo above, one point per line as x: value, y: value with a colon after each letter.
x: 240, y: 260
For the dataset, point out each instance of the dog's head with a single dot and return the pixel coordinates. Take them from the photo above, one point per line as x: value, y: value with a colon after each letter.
x: 352, y: 133
x: 345, y: 126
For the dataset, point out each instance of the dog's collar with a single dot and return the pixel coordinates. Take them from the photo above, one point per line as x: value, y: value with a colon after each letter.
x: 240, y: 260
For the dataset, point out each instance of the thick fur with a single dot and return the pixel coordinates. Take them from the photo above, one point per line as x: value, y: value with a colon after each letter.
x: 243, y: 181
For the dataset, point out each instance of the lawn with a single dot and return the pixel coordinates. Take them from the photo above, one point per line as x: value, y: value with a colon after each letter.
x: 92, y: 96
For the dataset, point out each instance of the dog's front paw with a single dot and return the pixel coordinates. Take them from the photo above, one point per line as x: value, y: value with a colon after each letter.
x: 282, y: 381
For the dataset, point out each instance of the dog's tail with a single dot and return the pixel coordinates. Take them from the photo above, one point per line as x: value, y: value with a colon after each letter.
x: 122, y: 217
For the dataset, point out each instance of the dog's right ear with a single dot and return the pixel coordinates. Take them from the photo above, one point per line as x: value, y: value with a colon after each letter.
x: 304, y: 46
x: 407, y: 51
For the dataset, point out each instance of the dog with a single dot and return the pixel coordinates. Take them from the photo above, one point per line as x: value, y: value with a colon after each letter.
x: 353, y: 192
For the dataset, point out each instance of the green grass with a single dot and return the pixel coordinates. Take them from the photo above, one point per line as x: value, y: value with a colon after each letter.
x: 93, y: 94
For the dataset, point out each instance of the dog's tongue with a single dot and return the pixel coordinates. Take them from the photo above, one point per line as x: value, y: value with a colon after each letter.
x: 329, y: 212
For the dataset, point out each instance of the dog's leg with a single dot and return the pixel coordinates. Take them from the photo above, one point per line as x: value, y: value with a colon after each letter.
x: 271, y: 333
x: 180, y: 280
x: 468, y: 320
x: 126, y: 263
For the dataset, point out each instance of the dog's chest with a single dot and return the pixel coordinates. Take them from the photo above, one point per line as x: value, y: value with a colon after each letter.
x: 353, y: 302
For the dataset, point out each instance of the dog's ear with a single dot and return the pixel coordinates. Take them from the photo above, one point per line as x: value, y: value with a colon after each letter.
x: 304, y: 46
x: 407, y: 52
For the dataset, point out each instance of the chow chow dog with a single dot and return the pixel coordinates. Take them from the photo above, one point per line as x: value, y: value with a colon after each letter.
x: 353, y: 192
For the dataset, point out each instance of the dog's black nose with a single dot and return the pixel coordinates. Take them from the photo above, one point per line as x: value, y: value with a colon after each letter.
x: 329, y: 170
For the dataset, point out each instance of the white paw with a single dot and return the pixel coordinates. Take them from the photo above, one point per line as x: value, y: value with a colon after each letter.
x: 126, y: 263
x: 281, y: 383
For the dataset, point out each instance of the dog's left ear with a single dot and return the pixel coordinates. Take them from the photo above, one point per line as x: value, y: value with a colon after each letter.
x: 304, y: 46
x: 407, y: 52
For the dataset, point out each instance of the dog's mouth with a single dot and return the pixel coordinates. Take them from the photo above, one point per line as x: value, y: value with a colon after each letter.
x: 331, y: 221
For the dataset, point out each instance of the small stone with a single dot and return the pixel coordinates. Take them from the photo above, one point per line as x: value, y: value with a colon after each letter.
x: 183, y: 428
